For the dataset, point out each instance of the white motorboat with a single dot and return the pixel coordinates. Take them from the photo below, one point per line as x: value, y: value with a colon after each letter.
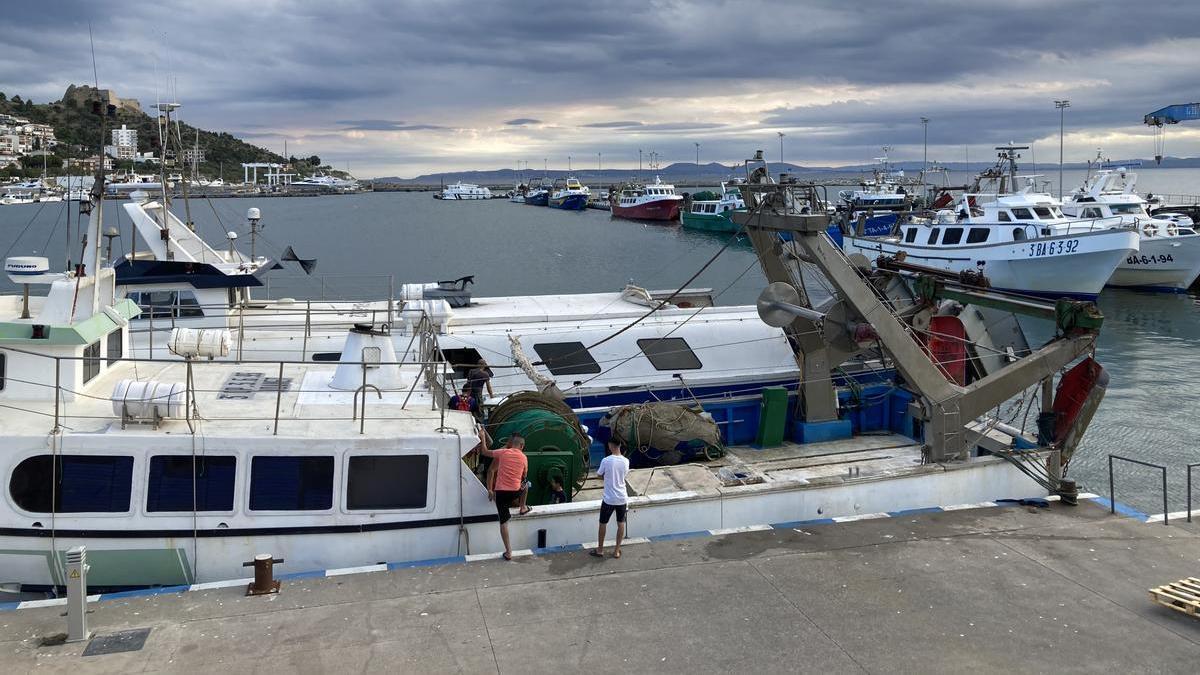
x: 459, y: 191
x: 1020, y: 241
x: 11, y: 198
x: 326, y: 182
x: 1168, y: 258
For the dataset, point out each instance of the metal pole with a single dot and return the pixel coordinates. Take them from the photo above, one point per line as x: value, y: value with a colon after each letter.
x: 781, y: 135
x: 1189, y: 494
x: 1112, y: 498
x: 1164, y: 476
x: 1062, y: 106
x: 77, y: 568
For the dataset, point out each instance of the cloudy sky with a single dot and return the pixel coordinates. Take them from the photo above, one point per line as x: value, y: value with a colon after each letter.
x: 403, y: 88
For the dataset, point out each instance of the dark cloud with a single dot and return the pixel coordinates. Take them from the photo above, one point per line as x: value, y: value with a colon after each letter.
x: 983, y: 74
x: 385, y: 125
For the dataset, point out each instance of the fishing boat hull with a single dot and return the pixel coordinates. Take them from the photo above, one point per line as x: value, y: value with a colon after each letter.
x: 1167, y: 264
x: 537, y: 199
x: 659, y: 209
x: 708, y: 222
x: 571, y: 202
x: 1075, y: 266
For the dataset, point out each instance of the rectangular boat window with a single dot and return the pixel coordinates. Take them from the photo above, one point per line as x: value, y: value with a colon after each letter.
x: 291, y: 483
x: 1004, y: 217
x: 1091, y: 213
x: 977, y: 235
x: 155, y: 304
x: 188, y: 307
x: 171, y: 478
x: 910, y: 235
x: 933, y: 236
x: 1022, y: 214
x: 953, y: 235
x: 91, y: 361
x: 115, y: 346
x: 669, y: 354
x: 377, y: 482
x: 1043, y: 212
x: 566, y: 358
x: 78, y: 484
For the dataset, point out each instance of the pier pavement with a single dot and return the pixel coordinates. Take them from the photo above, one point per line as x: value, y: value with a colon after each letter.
x: 1019, y: 588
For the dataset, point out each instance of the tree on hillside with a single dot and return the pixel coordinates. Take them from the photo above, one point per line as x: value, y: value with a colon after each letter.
x: 314, y: 160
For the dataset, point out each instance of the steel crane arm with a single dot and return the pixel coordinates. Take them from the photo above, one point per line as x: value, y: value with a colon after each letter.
x: 1174, y: 114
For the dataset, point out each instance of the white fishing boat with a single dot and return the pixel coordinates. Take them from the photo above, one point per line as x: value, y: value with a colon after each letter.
x: 1020, y: 241
x: 12, y: 198
x: 177, y: 472
x: 1168, y: 258
x: 460, y: 191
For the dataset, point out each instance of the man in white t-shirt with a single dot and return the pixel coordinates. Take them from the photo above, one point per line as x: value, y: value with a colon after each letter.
x: 613, y: 470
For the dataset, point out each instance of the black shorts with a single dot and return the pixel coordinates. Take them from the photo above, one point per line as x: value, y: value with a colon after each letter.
x: 606, y: 511
x: 506, y: 499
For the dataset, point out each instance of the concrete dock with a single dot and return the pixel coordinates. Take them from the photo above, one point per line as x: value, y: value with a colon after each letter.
x: 1023, y: 588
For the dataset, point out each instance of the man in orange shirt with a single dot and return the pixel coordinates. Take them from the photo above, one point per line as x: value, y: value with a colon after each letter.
x: 506, y: 481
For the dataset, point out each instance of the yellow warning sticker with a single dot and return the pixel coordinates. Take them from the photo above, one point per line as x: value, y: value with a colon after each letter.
x: 74, y: 574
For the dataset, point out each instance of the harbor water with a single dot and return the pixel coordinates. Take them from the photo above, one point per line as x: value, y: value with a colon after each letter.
x: 1148, y: 343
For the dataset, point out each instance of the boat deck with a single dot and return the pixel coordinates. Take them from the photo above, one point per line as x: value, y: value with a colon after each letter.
x: 860, y: 457
x: 1019, y: 589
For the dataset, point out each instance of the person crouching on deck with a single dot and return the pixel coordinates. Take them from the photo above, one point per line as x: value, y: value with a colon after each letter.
x: 506, y: 481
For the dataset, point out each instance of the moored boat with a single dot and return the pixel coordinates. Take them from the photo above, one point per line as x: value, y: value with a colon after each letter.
x: 712, y: 211
x: 568, y: 194
x: 646, y: 201
x: 1168, y: 258
x: 461, y: 191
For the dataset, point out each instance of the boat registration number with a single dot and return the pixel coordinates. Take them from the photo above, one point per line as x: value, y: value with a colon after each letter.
x: 1041, y: 248
x: 1149, y: 259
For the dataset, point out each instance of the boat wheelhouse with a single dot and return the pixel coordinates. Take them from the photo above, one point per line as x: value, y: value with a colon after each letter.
x: 646, y: 201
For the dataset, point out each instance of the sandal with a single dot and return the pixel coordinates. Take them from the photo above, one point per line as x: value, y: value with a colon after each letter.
x: 508, y: 556
x: 595, y: 554
x: 525, y: 510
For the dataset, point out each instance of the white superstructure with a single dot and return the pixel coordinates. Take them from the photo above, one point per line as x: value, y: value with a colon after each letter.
x: 460, y: 190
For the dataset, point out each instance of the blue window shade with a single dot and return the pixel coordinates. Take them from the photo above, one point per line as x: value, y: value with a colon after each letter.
x: 291, y: 483
x: 170, y: 484
x: 83, y: 484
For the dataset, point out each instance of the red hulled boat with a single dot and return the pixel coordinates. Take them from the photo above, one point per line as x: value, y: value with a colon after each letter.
x: 653, y: 201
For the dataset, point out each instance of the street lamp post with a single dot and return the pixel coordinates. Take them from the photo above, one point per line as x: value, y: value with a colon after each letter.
x: 639, y: 161
x: 925, y: 156
x: 781, y: 135
x: 568, y: 164
x: 1062, y: 106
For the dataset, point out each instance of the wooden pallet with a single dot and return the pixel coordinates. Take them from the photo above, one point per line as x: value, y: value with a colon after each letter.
x: 1182, y: 595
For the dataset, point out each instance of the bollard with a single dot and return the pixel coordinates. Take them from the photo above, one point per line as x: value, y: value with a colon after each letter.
x: 264, y: 582
x: 77, y: 569
x: 541, y: 538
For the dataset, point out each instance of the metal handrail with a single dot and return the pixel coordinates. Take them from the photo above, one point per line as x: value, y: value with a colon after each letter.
x: 1112, y: 498
x: 1189, y: 490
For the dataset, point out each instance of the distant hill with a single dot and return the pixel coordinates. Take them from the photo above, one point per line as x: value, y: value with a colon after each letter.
x: 715, y: 172
x: 78, y: 132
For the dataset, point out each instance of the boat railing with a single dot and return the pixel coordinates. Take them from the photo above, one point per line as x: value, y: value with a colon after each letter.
x: 1083, y: 226
x: 346, y: 287
x: 434, y: 373
x: 1165, y: 200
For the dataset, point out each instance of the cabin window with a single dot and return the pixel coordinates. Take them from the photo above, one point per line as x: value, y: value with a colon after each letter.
x: 91, y: 361
x: 1043, y: 212
x: 115, y: 346
x: 910, y: 235
x: 81, y: 484
x: 1022, y: 214
x: 188, y: 307
x: 3, y: 368
x: 977, y: 235
x: 953, y: 235
x: 669, y: 354
x: 1004, y: 217
x: 378, y: 482
x: 291, y: 483
x: 1091, y: 213
x: 172, y: 477
x: 1128, y: 209
x: 566, y: 358
x: 1019, y: 234
x: 933, y: 236
x: 711, y: 208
